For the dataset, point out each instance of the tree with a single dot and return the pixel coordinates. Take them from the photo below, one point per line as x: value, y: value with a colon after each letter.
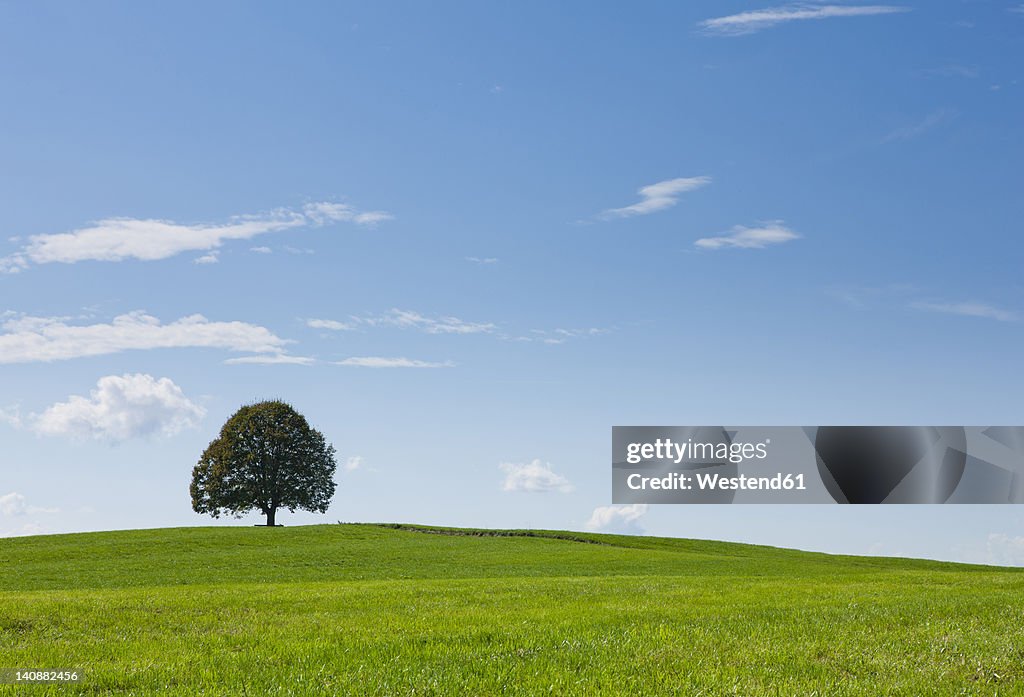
x: 266, y: 457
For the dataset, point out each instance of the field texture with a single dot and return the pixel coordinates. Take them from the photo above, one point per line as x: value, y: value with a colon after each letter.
x: 378, y: 610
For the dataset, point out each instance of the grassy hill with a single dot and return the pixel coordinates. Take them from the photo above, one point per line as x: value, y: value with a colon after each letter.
x: 364, y: 609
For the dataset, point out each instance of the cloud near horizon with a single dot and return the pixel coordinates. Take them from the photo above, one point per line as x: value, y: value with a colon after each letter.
x: 753, y: 21
x: 149, y: 239
x: 1005, y: 550
x: 14, y: 504
x: 618, y: 519
x: 533, y: 477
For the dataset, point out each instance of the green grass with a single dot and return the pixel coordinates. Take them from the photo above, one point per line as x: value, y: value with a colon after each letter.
x: 362, y: 609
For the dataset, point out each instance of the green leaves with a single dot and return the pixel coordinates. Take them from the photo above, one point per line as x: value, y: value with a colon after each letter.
x: 267, y: 457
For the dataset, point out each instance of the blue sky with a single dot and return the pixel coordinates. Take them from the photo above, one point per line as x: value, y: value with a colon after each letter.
x: 466, y: 239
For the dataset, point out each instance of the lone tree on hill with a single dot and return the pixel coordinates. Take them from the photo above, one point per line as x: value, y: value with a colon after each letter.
x: 266, y: 457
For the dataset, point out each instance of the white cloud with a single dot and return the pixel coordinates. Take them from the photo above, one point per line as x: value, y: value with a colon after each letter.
x: 624, y: 519
x: 557, y: 336
x: 768, y: 233
x: 967, y: 309
x: 353, y: 463
x: 756, y: 20
x: 1019, y: 9
x: 483, y: 260
x: 271, y: 359
x: 407, y: 319
x: 533, y: 477
x: 211, y: 258
x: 13, y: 504
x: 382, y: 362
x: 24, y: 530
x: 121, y: 407
x: 11, y: 417
x: 573, y: 333
x: 261, y: 250
x: 27, y: 339
x: 657, y: 197
x: 1004, y: 549
x: 323, y: 213
x: 148, y: 239
x: 926, y: 124
x: 330, y: 324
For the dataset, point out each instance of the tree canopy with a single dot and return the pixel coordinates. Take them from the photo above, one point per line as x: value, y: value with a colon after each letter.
x: 267, y: 457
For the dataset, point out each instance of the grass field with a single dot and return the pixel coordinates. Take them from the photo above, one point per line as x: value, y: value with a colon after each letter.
x: 362, y: 609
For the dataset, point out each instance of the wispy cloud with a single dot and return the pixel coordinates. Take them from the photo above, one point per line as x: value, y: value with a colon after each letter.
x: 483, y: 260
x: 271, y: 359
x: 121, y: 407
x: 742, y: 237
x: 407, y: 319
x: 261, y: 250
x: 967, y: 309
x: 1017, y: 9
x: 330, y: 324
x: 623, y: 519
x: 573, y: 333
x: 558, y: 336
x: 447, y: 325
x: 324, y: 212
x: 148, y: 239
x: 385, y: 362
x: 211, y: 258
x: 27, y: 339
x: 756, y: 20
x: 955, y: 70
x: 533, y: 477
x: 353, y: 463
x: 657, y: 197
x: 926, y: 124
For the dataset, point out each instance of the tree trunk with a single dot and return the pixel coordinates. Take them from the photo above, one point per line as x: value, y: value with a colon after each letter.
x: 271, y: 514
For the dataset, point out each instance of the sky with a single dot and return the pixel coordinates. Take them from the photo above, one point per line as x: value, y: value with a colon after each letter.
x: 467, y: 239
